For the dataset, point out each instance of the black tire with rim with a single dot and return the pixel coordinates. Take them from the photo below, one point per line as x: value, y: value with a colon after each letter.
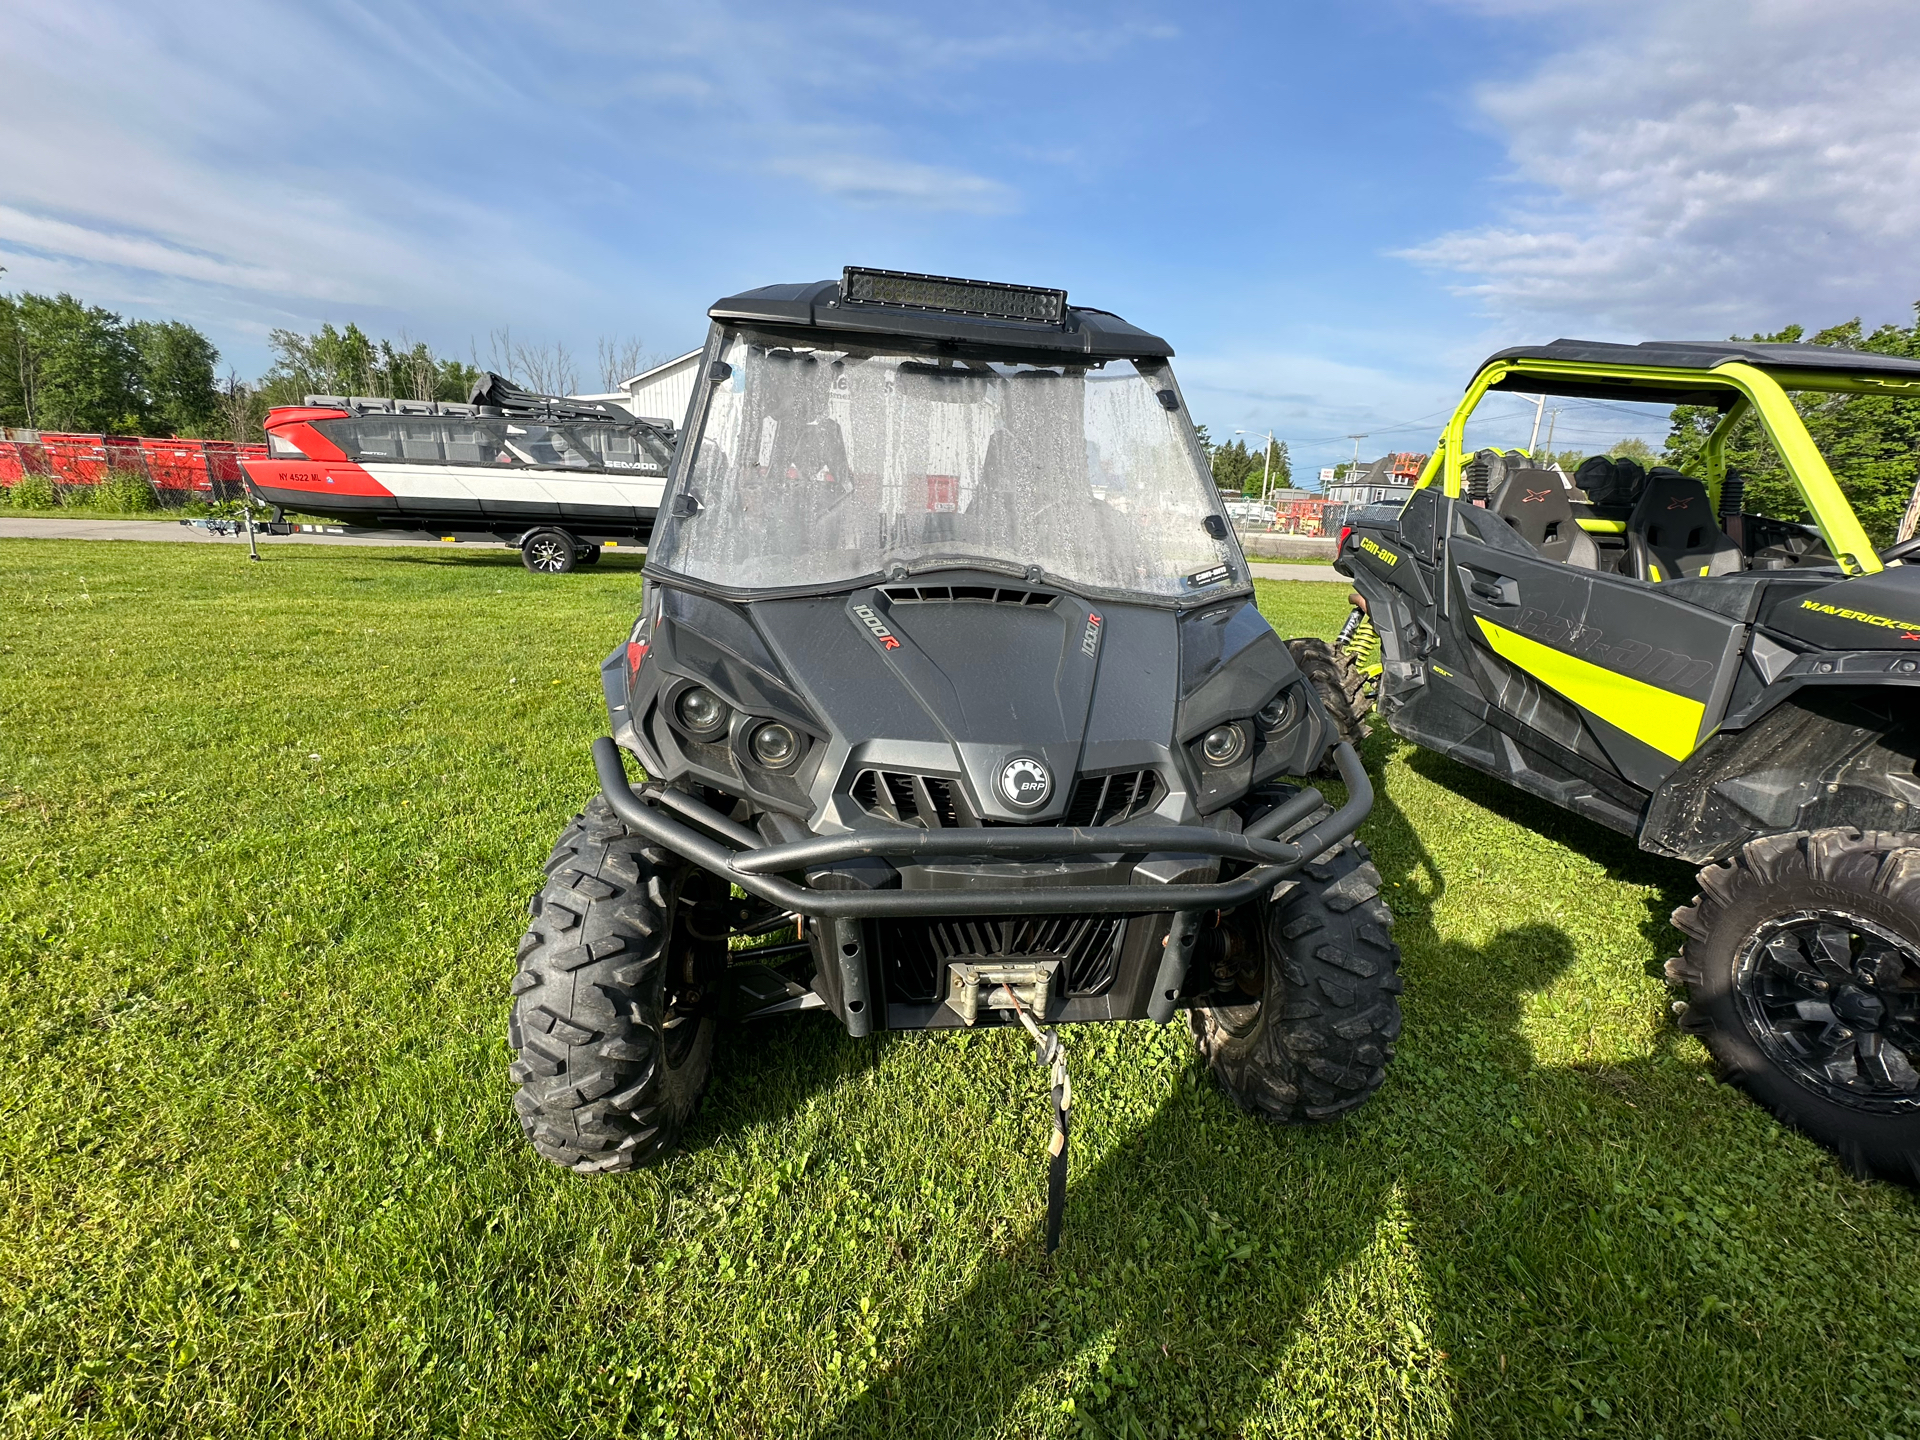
x: 612, y: 1022
x: 587, y: 555
x: 1312, y: 1039
x: 549, y: 552
x: 1802, y: 973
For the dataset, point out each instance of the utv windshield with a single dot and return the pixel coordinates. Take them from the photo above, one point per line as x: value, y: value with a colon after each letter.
x: 820, y: 466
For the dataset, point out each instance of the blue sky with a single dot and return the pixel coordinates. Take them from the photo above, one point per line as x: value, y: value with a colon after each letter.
x: 1332, y: 210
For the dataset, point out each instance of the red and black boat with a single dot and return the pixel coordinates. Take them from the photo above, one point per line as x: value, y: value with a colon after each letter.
x: 555, y: 477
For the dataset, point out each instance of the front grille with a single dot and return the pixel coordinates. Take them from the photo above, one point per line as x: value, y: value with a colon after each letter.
x: 934, y: 802
x: 991, y: 594
x: 1109, y: 799
x: 929, y: 801
x: 915, y: 954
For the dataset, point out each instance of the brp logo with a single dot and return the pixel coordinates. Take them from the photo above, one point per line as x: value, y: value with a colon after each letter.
x: 1026, y: 782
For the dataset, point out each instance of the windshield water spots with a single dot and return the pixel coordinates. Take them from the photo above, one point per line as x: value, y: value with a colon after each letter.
x: 821, y: 466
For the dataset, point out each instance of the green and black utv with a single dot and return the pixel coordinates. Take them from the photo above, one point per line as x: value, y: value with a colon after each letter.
x: 1733, y: 690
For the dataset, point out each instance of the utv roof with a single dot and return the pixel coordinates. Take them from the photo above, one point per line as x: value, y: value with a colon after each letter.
x: 942, y: 308
x: 1811, y: 365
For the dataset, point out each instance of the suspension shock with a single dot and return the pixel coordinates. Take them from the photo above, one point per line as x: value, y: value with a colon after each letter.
x: 1733, y: 496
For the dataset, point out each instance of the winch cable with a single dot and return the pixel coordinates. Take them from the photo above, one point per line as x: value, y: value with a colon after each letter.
x: 1048, y: 1051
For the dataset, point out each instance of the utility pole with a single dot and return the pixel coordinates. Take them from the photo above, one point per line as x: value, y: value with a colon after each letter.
x: 1553, y: 418
x: 1539, y: 404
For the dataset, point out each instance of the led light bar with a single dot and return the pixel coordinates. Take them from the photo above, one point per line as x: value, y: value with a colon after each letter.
x: 942, y: 294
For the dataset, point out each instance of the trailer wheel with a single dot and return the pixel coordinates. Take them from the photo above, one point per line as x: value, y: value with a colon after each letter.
x: 1802, y: 973
x: 612, y: 1022
x: 587, y: 555
x: 549, y: 552
x: 1312, y: 1040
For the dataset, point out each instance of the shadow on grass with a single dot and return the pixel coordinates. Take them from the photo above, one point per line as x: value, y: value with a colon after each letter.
x: 1671, y: 881
x: 1196, y: 1250
x: 766, y: 1070
x: 1475, y: 1247
x: 507, y: 558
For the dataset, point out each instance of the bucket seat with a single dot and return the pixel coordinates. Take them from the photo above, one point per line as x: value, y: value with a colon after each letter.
x: 1672, y: 531
x: 1536, y: 505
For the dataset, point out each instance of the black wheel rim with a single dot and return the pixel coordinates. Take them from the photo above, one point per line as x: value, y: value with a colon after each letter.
x: 1834, y: 1000
x: 546, y: 554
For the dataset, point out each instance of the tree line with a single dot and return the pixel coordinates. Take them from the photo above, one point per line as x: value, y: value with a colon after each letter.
x: 65, y: 365
x: 69, y: 366
x: 1239, y: 469
x: 1871, y: 442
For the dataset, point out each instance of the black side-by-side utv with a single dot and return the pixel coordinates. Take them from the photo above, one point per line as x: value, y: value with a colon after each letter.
x: 954, y: 706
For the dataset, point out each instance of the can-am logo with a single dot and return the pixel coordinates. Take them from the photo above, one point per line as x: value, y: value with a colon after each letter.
x: 878, y: 626
x: 1026, y: 782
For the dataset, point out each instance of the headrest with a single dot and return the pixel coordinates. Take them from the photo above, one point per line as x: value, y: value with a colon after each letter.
x: 1608, y: 481
x: 1674, y: 502
x: 1526, y: 491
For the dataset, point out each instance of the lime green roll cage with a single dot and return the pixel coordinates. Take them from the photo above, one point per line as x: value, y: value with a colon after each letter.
x: 1760, y: 392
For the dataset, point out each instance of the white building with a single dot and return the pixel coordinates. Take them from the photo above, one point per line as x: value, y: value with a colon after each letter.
x: 662, y: 393
x: 1368, y: 485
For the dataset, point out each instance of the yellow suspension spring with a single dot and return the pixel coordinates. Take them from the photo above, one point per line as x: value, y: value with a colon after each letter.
x: 1360, y: 640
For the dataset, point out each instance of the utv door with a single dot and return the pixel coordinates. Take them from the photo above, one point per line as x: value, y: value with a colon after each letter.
x: 1591, y: 678
x: 1584, y: 687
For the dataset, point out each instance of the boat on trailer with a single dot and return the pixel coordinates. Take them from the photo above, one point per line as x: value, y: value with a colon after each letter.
x: 556, y: 478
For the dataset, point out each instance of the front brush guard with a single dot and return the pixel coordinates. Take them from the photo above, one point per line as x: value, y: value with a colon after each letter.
x: 757, y: 867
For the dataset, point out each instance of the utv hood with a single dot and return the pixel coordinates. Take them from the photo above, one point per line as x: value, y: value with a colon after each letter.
x: 970, y: 680
x: 918, y: 679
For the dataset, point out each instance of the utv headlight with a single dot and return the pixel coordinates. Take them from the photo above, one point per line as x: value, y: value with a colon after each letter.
x: 1223, y: 744
x: 774, y: 745
x: 701, y: 711
x: 1282, y: 712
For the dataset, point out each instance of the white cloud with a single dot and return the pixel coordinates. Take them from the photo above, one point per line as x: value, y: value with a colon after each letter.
x: 1706, y: 167
x: 865, y: 180
x: 251, y: 165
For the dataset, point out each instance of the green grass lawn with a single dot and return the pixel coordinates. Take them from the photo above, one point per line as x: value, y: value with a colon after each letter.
x: 266, y: 836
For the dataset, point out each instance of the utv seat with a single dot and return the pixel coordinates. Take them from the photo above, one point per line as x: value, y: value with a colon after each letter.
x: 1536, y: 504
x: 1672, y: 532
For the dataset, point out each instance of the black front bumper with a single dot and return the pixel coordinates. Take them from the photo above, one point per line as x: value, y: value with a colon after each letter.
x: 1144, y: 974
x: 744, y: 858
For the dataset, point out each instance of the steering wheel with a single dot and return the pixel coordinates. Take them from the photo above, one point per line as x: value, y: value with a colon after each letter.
x: 1901, y: 551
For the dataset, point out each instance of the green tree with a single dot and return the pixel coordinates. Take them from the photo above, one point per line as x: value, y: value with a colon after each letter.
x: 1634, y: 448
x: 1233, y: 463
x: 350, y: 362
x: 1281, y: 476
x: 1871, y: 442
x: 179, y: 393
x: 65, y: 365
x: 70, y: 366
